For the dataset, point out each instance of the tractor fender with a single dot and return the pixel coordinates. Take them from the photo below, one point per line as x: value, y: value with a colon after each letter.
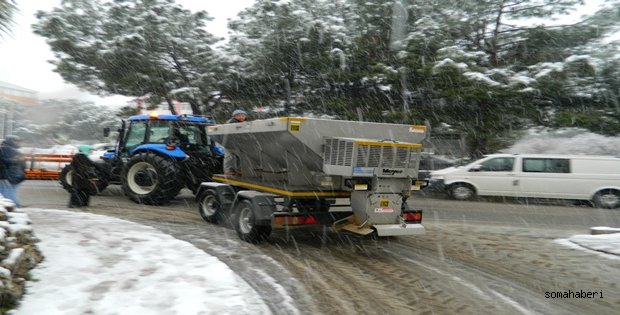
x: 263, y: 203
x: 176, y: 153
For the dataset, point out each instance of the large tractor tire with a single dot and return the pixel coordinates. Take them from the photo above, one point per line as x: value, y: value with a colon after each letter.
x: 151, y: 179
x: 66, y: 178
x: 199, y: 170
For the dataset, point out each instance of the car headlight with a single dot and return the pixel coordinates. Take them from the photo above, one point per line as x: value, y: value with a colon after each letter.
x: 437, y: 177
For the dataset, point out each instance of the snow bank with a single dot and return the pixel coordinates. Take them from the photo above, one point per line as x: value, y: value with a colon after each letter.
x: 96, y: 264
x: 607, y: 243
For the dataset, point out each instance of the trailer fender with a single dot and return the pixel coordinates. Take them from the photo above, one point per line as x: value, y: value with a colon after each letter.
x: 224, y: 193
x: 263, y: 205
x: 214, y: 186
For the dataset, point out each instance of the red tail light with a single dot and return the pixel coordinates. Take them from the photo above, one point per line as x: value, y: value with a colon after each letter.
x: 293, y: 220
x: 412, y: 216
x: 310, y: 220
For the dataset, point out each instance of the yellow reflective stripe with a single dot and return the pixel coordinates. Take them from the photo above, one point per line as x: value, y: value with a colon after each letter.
x: 390, y: 144
x: 282, y: 191
x: 418, y: 127
x: 292, y: 119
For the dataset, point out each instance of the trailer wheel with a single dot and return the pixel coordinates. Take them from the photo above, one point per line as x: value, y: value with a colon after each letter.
x: 461, y: 191
x: 245, y: 224
x: 150, y: 179
x: 208, y: 206
x: 607, y: 199
x: 66, y: 178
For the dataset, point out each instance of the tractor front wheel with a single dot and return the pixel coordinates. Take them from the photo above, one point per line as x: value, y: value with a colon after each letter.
x: 151, y: 179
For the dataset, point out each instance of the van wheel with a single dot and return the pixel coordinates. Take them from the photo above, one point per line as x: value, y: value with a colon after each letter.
x: 462, y: 191
x: 607, y: 199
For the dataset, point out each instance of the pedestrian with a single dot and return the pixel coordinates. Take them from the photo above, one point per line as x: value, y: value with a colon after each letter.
x: 12, y: 168
x: 83, y: 181
x: 232, y: 166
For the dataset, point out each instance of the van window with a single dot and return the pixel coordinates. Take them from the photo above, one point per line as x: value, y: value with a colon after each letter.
x: 540, y: 165
x: 502, y: 164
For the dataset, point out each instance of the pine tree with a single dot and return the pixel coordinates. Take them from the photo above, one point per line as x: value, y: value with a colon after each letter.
x: 133, y: 48
x: 7, y: 10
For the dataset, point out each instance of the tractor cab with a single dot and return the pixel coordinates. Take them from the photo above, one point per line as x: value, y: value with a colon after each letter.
x: 172, y: 135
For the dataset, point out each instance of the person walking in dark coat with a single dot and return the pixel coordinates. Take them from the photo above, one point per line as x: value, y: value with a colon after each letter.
x: 83, y: 181
x: 12, y: 168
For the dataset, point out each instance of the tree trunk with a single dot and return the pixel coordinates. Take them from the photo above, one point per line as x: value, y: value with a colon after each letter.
x: 171, y: 105
x: 195, y: 107
x: 494, y: 40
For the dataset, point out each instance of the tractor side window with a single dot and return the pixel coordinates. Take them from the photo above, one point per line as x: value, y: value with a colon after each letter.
x: 192, y: 133
x: 159, y: 131
x: 194, y: 136
x: 135, y: 136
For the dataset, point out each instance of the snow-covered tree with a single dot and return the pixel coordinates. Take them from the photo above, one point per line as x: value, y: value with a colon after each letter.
x: 7, y: 9
x: 286, y: 49
x: 133, y: 48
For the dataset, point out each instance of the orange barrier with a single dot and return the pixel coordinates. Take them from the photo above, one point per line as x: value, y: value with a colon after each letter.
x: 42, y: 174
x: 34, y: 169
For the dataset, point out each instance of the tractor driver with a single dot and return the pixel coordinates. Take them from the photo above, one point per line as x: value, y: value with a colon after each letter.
x: 183, y: 139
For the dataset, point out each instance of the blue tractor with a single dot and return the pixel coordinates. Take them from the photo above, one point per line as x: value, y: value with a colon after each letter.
x: 158, y: 155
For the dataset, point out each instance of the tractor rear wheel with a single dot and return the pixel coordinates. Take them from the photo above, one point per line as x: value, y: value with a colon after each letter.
x: 151, y: 179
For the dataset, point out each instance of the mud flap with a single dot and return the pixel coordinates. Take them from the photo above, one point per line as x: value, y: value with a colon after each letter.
x: 348, y: 224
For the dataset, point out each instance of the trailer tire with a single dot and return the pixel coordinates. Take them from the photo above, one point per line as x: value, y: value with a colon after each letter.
x: 462, y: 191
x: 607, y: 199
x: 150, y: 179
x: 208, y: 206
x: 66, y: 178
x: 245, y: 223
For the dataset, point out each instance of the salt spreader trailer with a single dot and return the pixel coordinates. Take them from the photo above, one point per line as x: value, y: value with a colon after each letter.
x: 297, y: 171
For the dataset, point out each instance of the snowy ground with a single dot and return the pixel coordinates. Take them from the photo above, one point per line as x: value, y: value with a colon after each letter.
x: 96, y: 264
x: 101, y: 265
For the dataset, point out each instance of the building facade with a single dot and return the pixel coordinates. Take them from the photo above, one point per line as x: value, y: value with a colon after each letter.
x: 12, y: 99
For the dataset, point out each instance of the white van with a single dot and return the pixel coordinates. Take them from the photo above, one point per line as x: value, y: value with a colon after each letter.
x: 578, y: 177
